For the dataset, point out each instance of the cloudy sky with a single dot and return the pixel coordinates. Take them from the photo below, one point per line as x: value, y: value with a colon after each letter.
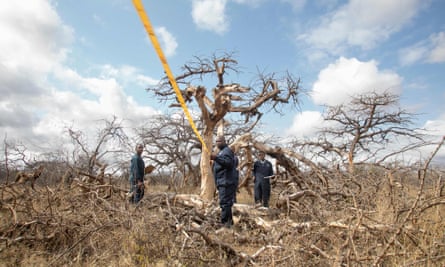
x: 71, y: 63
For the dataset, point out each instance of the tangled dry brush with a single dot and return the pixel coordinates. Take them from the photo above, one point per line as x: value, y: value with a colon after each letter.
x: 378, y: 217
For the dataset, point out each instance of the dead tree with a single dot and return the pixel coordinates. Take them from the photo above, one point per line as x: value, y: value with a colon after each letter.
x: 171, y: 144
x: 16, y: 158
x: 87, y: 158
x: 366, y: 126
x: 226, y: 98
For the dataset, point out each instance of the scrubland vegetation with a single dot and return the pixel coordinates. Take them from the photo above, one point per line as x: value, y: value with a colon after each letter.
x: 379, y: 217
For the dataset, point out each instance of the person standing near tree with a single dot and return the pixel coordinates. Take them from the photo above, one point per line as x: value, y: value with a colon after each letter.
x: 262, y: 171
x: 225, y: 180
x: 137, y: 171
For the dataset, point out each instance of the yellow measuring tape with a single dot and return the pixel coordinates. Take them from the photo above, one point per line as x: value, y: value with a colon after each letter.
x: 144, y: 18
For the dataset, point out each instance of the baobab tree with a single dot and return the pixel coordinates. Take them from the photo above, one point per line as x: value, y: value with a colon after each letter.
x: 226, y: 98
x: 172, y: 144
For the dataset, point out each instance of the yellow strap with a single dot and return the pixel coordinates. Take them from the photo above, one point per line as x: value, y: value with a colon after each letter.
x: 144, y: 18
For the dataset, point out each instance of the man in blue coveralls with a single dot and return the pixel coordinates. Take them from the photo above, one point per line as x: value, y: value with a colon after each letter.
x: 137, y: 169
x: 262, y: 171
x: 225, y: 179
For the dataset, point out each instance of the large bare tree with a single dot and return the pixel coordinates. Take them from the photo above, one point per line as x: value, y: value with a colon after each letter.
x: 267, y: 93
x: 87, y: 154
x: 171, y: 146
x: 362, y: 130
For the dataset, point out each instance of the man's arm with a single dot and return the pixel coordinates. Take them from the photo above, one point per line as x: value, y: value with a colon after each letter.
x: 225, y: 159
x: 271, y: 169
x: 139, y: 177
x: 134, y: 169
x: 254, y: 169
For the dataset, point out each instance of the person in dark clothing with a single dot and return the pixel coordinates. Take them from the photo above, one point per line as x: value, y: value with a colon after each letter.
x: 137, y: 169
x: 262, y: 171
x: 225, y: 180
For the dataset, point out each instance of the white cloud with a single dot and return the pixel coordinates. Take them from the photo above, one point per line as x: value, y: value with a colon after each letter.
x: 107, y: 93
x: 105, y: 99
x: 144, y: 81
x: 305, y: 124
x: 15, y: 115
x: 126, y: 75
x: 40, y: 95
x: 33, y: 37
x: 33, y: 43
x: 436, y: 127
x: 431, y: 50
x: 413, y: 54
x: 438, y: 48
x: 168, y: 41
x: 210, y: 15
x: 362, y: 23
x: 347, y: 77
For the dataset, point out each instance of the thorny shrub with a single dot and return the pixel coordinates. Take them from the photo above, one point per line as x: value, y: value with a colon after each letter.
x: 377, y: 217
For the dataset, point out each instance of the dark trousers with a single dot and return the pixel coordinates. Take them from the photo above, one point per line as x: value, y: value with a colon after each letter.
x: 236, y: 189
x: 226, y: 195
x: 262, y: 191
x: 138, y: 192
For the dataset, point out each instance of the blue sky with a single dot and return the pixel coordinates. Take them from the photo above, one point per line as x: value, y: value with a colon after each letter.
x: 71, y: 63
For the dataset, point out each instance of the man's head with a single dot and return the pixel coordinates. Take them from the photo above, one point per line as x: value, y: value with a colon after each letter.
x: 220, y: 141
x: 139, y: 149
x: 261, y: 155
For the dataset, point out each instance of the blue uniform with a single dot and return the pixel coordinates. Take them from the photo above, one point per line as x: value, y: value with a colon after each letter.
x: 225, y: 180
x: 137, y: 168
x: 262, y: 169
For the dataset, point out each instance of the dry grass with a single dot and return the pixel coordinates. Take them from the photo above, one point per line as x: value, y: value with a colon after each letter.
x: 95, y: 226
